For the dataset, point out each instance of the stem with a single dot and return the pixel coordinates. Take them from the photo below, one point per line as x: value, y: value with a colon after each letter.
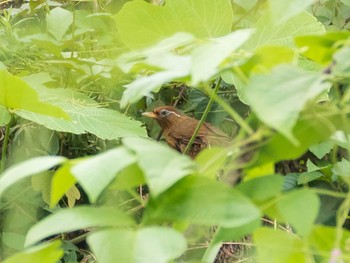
x: 342, y: 215
x: 204, y: 116
x: 4, y: 146
x: 231, y: 111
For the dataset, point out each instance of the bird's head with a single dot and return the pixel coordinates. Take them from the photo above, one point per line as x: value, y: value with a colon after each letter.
x: 165, y: 115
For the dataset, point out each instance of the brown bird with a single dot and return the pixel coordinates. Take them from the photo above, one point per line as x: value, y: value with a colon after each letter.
x: 179, y: 128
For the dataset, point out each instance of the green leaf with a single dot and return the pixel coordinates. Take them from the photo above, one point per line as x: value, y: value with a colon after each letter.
x: 209, y: 57
x: 61, y: 182
x: 198, y: 200
x: 162, y: 166
x: 58, y: 22
x: 261, y: 189
x: 269, y: 33
x: 342, y: 168
x: 281, y: 11
x: 322, y: 239
x: 314, y: 126
x: 141, y: 24
x: 16, y: 95
x: 278, y: 98
x: 162, y: 57
x: 279, y: 246
x: 305, y: 178
x: 149, y: 244
x: 211, y: 160
x: 96, y: 173
x: 342, y: 65
x: 47, y: 252
x: 72, y: 219
x: 26, y: 169
x: 311, y: 167
x: 321, y: 149
x: 246, y: 4
x: 298, y: 208
x: 320, y: 48
x: 105, y: 123
x: 5, y: 116
x: 267, y: 57
x: 129, y: 178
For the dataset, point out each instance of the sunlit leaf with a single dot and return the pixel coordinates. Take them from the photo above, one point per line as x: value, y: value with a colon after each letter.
x: 58, y: 22
x: 61, y: 182
x: 72, y: 219
x: 47, y: 252
x: 162, y: 166
x: 281, y: 11
x: 5, y: 116
x: 95, y: 173
x: 150, y: 244
x: 282, y: 34
x: 104, y: 123
x: 279, y: 246
x: 16, y: 95
x: 278, y: 98
x: 320, y: 48
x: 208, y: 58
x: 141, y: 24
x: 26, y: 169
x: 160, y: 56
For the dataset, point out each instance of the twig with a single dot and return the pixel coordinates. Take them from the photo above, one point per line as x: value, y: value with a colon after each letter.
x: 204, y: 116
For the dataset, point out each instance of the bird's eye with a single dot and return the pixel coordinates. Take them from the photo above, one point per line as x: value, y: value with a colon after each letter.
x: 164, y: 113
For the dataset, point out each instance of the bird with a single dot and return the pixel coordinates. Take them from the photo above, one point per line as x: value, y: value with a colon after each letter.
x: 178, y: 129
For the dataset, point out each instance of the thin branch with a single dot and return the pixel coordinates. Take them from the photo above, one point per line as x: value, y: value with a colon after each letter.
x: 204, y: 116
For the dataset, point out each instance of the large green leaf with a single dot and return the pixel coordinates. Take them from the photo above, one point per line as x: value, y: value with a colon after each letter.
x: 150, y: 244
x: 205, y: 60
x: 281, y: 11
x: 58, y: 22
x: 27, y: 168
x: 47, y: 252
x: 262, y: 189
x: 203, y: 201
x: 66, y: 220
x: 315, y: 125
x: 161, y: 165
x: 322, y: 239
x: 280, y: 246
x: 141, y: 24
x: 104, y: 123
x: 299, y: 208
x: 17, y: 95
x: 282, y: 34
x: 278, y: 98
x: 160, y: 57
x: 209, y: 57
x: 95, y: 173
x: 320, y: 48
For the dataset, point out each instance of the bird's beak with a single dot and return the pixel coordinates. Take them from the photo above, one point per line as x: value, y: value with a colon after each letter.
x: 149, y: 115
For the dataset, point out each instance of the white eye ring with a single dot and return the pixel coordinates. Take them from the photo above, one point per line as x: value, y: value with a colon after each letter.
x: 164, y: 113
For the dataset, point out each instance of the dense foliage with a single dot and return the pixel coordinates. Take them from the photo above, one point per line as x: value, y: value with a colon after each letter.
x: 81, y: 182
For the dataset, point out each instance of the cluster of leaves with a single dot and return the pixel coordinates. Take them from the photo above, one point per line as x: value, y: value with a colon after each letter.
x: 72, y: 69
